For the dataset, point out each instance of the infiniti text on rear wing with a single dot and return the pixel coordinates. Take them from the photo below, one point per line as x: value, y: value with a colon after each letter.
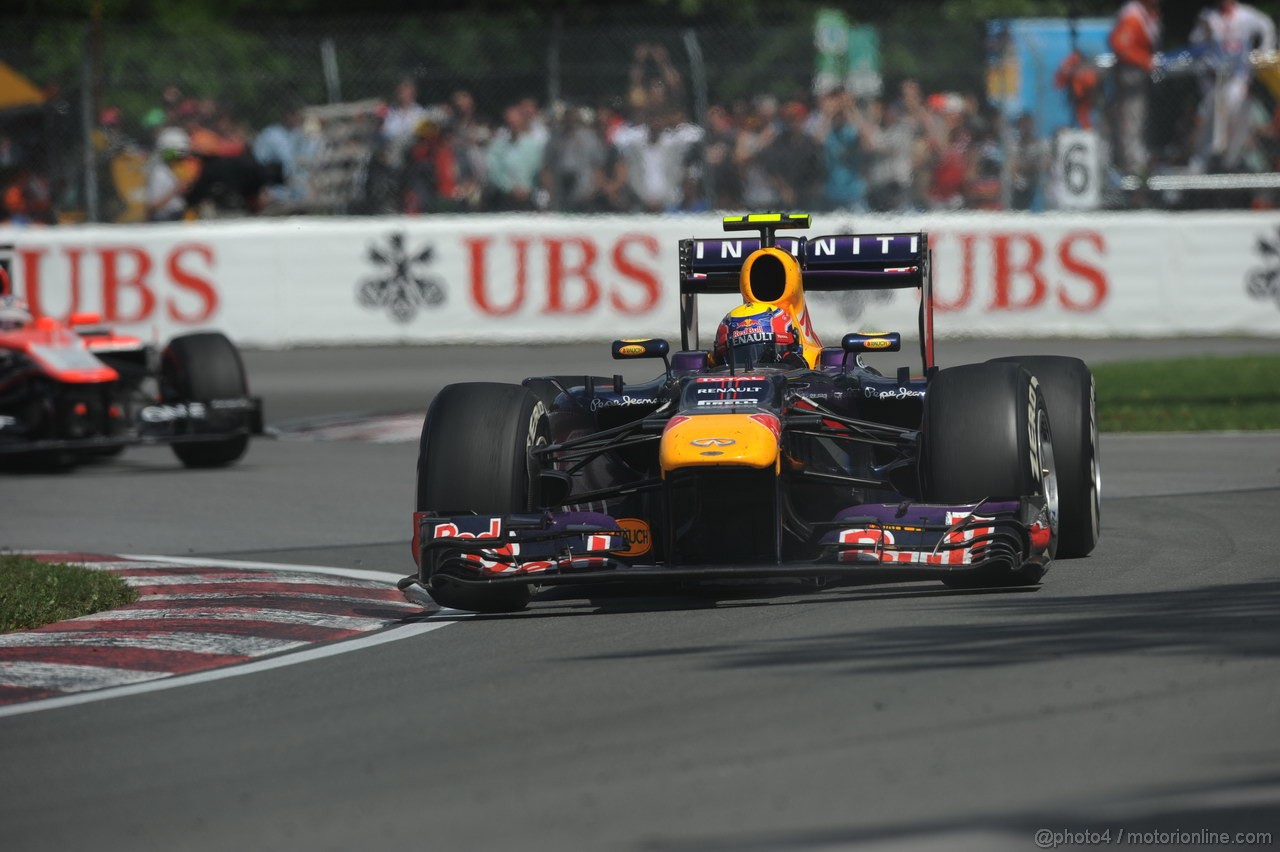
x: 837, y: 262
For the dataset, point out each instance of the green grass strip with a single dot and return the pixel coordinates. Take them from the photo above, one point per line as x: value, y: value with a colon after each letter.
x: 34, y: 593
x: 1189, y: 394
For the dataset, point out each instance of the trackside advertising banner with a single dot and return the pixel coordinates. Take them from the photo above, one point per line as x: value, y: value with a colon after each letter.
x: 274, y: 282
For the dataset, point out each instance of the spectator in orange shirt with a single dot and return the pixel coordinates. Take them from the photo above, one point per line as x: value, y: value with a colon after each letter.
x: 1134, y: 39
x: 26, y: 200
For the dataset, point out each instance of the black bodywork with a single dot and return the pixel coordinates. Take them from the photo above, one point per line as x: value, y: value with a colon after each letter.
x: 849, y: 436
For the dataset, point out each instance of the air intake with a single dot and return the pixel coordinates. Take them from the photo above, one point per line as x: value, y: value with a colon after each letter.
x: 768, y: 278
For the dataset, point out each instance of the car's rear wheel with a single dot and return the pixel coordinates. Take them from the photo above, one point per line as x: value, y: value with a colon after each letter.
x: 475, y: 456
x: 987, y: 435
x: 1068, y: 390
x: 201, y: 367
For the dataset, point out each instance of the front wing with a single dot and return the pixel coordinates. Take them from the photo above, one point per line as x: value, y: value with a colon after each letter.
x: 906, y: 541
x: 156, y: 423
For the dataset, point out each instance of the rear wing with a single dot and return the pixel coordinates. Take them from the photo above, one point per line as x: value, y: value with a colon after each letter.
x: 836, y: 262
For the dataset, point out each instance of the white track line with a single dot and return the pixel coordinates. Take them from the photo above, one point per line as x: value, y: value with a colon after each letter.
x: 283, y: 567
x: 128, y: 560
x: 308, y: 596
x: 344, y: 646
x: 271, y: 616
x: 277, y: 580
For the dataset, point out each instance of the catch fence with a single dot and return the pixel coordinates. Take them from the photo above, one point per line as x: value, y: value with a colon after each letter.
x: 636, y: 114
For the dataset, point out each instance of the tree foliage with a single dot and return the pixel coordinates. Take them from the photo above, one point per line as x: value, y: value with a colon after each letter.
x: 257, y: 54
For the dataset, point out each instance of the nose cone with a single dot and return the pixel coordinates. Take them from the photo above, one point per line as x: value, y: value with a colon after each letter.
x: 720, y: 440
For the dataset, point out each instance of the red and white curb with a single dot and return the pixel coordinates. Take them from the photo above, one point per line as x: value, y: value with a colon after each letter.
x: 372, y: 429
x: 193, y: 619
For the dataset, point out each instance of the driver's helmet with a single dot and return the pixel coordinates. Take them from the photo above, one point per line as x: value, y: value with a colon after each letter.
x: 14, y: 313
x: 758, y: 334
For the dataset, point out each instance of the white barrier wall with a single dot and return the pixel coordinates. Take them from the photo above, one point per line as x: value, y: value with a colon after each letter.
x: 274, y: 282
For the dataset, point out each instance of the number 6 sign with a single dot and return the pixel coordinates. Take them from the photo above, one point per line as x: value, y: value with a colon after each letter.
x: 1076, y: 166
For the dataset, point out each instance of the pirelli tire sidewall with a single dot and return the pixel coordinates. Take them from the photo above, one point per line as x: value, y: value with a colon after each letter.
x: 475, y: 456
x: 204, y: 366
x: 1067, y: 385
x: 983, y: 436
x: 977, y: 435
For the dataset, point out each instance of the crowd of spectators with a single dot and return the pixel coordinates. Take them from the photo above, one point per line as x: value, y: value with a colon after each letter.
x: 643, y: 150
x: 645, y: 153
x: 639, y: 152
x: 1220, y: 133
x: 202, y: 157
x: 25, y: 197
x: 182, y: 157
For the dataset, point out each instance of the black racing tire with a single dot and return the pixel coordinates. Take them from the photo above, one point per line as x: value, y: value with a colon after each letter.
x: 474, y: 457
x: 986, y: 434
x: 198, y: 367
x: 1068, y: 389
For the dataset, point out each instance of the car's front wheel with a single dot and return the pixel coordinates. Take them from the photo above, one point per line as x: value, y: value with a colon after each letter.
x: 1068, y: 390
x: 475, y: 456
x: 202, y: 367
x: 987, y: 435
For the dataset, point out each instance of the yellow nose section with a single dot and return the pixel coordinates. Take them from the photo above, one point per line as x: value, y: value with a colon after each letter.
x: 720, y: 440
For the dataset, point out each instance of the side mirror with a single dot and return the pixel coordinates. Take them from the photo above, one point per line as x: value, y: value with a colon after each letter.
x: 857, y: 342
x: 647, y: 347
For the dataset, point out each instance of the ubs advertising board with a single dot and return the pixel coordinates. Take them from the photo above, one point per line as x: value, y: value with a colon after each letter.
x: 502, y: 279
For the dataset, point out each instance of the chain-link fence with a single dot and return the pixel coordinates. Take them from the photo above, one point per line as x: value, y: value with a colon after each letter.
x: 451, y: 113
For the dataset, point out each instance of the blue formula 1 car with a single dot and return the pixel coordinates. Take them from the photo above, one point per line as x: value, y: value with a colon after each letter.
x: 767, y: 455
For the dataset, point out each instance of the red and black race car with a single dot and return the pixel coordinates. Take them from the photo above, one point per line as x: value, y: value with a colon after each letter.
x: 769, y: 455
x: 72, y: 392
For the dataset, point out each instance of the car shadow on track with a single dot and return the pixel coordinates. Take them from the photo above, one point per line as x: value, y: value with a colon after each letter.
x: 564, y: 602
x: 1197, y: 816
x: 1230, y: 621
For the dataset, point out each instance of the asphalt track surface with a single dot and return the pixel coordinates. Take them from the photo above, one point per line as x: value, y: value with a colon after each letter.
x: 1137, y: 690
